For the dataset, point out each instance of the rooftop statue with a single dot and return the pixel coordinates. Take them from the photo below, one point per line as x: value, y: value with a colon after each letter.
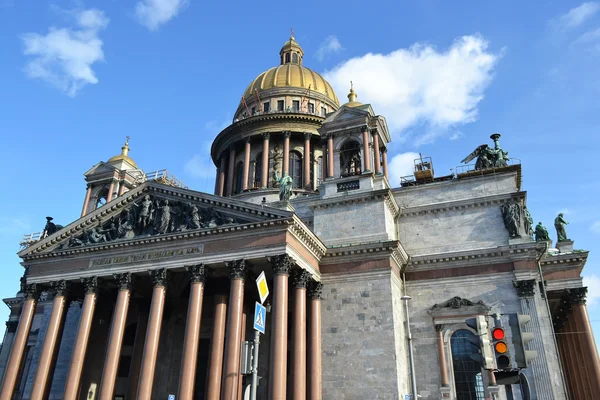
x: 488, y: 157
x: 559, y: 224
x: 50, y: 227
x: 541, y: 233
x: 285, y: 187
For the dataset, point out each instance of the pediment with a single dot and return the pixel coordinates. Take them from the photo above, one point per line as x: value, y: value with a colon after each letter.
x: 348, y: 113
x: 100, y: 168
x: 154, y: 210
x: 459, y: 306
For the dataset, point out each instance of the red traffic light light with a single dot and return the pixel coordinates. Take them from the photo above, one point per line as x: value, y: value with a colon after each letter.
x: 498, y: 333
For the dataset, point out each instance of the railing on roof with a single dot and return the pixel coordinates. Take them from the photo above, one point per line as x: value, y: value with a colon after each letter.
x: 29, y: 239
x: 470, y: 168
x: 287, y: 111
x: 161, y: 176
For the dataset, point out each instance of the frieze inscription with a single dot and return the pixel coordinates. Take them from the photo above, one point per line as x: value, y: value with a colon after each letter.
x: 154, y: 255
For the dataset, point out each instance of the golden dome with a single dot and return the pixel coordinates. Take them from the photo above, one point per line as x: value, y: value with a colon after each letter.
x: 123, y: 156
x: 291, y: 73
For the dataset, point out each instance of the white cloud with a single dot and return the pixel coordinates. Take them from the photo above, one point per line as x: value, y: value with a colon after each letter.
x: 577, y: 16
x: 64, y: 56
x: 421, y: 85
x: 401, y: 165
x: 595, y: 227
x: 154, y: 13
x: 593, y: 284
x: 13, y: 226
x: 330, y: 45
x: 457, y: 135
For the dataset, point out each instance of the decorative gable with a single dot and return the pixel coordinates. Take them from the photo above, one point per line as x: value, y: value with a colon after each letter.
x: 152, y: 210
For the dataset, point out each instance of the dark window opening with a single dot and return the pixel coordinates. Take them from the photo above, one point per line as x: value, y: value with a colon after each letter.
x: 266, y: 107
x: 296, y: 169
x: 238, y: 178
x: 129, y: 335
x: 253, y: 111
x: 323, y: 111
x: 258, y: 170
x: 311, y: 108
x: 280, y: 105
x: 124, y: 365
x: 287, y: 58
x: 350, y: 163
x: 295, y: 58
x: 295, y: 105
x: 467, y: 372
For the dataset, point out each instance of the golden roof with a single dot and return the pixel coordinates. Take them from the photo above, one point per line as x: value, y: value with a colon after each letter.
x: 291, y: 73
x: 124, y: 155
x: 352, y: 98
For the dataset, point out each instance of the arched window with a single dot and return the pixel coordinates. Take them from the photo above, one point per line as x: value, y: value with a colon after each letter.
x: 287, y: 58
x: 350, y: 163
x: 102, y: 197
x: 467, y: 373
x: 238, y: 178
x: 295, y: 58
x: 296, y: 169
x: 258, y: 170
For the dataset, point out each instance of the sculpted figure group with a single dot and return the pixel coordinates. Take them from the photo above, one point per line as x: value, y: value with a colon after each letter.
x: 488, y: 157
x: 152, y: 216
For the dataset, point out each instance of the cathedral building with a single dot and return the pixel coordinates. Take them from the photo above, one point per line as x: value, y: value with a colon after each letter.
x: 435, y: 287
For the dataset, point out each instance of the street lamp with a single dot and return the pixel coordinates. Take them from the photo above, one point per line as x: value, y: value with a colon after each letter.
x: 413, y: 378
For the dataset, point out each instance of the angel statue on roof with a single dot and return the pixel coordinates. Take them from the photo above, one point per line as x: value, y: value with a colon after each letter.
x: 488, y: 157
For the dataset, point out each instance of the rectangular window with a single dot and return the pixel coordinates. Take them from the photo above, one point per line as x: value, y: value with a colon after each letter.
x: 280, y: 105
x: 323, y: 111
x: 311, y: 108
x: 266, y: 107
x: 295, y: 105
x: 253, y: 110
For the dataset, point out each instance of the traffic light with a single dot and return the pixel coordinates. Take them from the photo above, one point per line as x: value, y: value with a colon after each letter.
x: 501, y: 352
x: 520, y: 339
x: 484, y: 355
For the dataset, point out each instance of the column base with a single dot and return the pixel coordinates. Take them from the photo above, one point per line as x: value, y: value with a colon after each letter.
x: 565, y: 246
x: 446, y: 392
x: 494, y: 392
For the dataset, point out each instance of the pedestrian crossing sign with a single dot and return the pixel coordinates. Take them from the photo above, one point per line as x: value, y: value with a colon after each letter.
x: 260, y: 317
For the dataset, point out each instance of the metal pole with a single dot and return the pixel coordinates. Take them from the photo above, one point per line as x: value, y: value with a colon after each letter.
x: 413, y: 378
x: 254, y: 385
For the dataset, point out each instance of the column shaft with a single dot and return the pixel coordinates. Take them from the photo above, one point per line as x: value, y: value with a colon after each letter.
x: 111, y: 188
x: 246, y: 164
x: 324, y: 161
x: 442, y: 356
x: 299, y: 337
x: 16, y: 353
x: 122, y: 188
x: 279, y: 335
x: 576, y: 381
x: 264, y: 179
x: 307, y: 161
x: 242, y: 339
x: 234, y: 330
x: 81, y: 342
x: 330, y: 156
x: 385, y: 163
x: 151, y: 344
x: 366, y: 150
x: 190, y: 342
x: 221, y: 178
x: 376, y: 151
x: 586, y: 339
x: 115, y: 341
x: 40, y: 383
x: 315, y: 368
x: 286, y: 153
x: 230, y: 172
x: 86, y: 202
x: 215, y: 371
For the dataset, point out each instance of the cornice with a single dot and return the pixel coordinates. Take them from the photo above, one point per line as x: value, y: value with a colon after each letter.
x: 564, y: 261
x: 483, y: 201
x: 360, y: 197
x: 361, y: 251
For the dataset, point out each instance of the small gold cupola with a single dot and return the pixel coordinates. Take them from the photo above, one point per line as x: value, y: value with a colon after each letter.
x: 291, y: 52
x: 124, y: 156
x: 352, y: 97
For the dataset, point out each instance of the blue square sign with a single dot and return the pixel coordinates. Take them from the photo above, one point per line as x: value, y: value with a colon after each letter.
x: 260, y: 317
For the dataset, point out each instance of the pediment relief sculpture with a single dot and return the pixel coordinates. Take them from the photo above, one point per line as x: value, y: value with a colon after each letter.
x: 458, y: 305
x: 149, y: 216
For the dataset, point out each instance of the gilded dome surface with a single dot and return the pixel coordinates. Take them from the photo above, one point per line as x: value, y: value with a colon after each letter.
x: 291, y: 75
x: 124, y: 156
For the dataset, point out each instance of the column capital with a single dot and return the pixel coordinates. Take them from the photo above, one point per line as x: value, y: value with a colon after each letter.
x: 315, y: 289
x: 12, y: 325
x: 307, y: 135
x: 281, y: 264
x: 525, y: 288
x: 90, y: 284
x: 266, y: 135
x: 287, y: 134
x: 247, y: 139
x: 329, y: 136
x: 197, y: 273
x: 88, y: 186
x: 59, y: 287
x: 439, y: 327
x: 364, y: 128
x: 576, y: 295
x: 237, y: 269
x: 231, y: 148
x: 384, y: 149
x: 123, y: 281
x: 159, y: 277
x: 31, y: 291
x: 300, y: 278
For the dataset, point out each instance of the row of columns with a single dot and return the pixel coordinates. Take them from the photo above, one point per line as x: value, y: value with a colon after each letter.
x: 111, y: 189
x: 224, y: 379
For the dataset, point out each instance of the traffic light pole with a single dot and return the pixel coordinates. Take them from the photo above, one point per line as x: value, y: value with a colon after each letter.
x: 254, y: 384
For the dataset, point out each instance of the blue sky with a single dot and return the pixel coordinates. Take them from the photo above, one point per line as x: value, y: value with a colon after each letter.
x: 77, y: 77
